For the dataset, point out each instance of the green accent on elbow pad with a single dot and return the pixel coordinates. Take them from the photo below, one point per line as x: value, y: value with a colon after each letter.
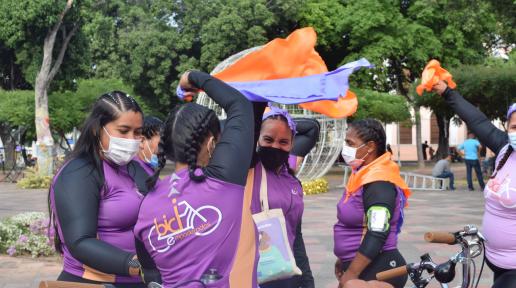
x: 378, y: 219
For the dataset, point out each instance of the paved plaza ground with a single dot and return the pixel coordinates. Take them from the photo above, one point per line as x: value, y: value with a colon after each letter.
x: 427, y: 211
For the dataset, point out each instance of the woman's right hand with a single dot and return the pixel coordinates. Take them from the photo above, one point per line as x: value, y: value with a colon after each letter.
x: 440, y: 87
x: 189, y: 90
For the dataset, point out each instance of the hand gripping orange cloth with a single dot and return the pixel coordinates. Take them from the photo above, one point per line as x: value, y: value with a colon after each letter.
x: 432, y: 73
x: 294, y: 56
x: 381, y: 169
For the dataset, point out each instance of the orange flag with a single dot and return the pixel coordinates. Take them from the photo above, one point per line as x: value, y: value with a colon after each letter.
x: 294, y: 56
x: 432, y: 73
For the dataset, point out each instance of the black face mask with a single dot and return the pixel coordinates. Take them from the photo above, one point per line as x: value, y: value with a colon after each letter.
x: 272, y: 158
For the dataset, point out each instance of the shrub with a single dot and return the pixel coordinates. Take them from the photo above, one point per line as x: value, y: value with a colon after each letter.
x: 316, y: 186
x: 34, y: 181
x: 26, y: 233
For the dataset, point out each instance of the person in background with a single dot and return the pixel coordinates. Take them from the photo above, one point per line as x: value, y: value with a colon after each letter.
x: 442, y: 170
x: 424, y: 146
x: 389, y: 149
x: 147, y: 157
x: 431, y: 151
x: 471, y: 148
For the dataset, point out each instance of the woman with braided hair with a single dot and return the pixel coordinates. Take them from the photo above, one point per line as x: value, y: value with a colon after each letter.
x: 499, y: 222
x: 196, y: 225
x: 94, y: 197
x: 370, y: 213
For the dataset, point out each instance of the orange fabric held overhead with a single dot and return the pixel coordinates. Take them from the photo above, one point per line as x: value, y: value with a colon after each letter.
x: 344, y: 107
x: 381, y: 169
x: 432, y: 73
x: 294, y: 56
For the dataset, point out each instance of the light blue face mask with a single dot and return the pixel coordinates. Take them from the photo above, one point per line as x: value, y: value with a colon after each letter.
x: 153, y: 161
x: 512, y: 140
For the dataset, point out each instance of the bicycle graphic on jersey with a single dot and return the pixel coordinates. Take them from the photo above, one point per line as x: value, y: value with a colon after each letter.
x: 196, y: 223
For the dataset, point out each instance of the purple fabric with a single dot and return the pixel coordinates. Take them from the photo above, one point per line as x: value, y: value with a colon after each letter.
x: 325, y: 86
x: 511, y: 110
x: 499, y: 222
x: 118, y: 211
x: 189, y: 227
x: 284, y: 192
x: 292, y: 162
x: 351, y: 226
x: 282, y: 112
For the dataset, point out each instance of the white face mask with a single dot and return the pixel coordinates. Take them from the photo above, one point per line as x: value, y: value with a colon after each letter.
x: 512, y: 140
x: 349, y: 154
x: 121, y: 151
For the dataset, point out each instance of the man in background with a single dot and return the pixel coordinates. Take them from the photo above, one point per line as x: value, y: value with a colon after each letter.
x: 424, y: 146
x: 442, y: 170
x: 471, y: 148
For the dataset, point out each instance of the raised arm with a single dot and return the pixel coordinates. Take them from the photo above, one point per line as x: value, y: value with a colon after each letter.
x: 494, y: 138
x: 234, y: 148
x: 77, y: 196
x: 307, y: 135
x: 258, y: 109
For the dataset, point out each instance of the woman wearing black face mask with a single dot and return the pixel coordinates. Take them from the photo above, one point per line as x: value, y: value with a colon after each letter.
x: 279, y: 156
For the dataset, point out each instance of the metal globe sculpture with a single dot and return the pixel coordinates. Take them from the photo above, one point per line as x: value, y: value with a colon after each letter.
x: 327, y: 148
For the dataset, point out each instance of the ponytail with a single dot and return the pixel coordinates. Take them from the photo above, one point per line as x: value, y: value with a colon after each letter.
x: 183, y: 133
x: 504, y: 159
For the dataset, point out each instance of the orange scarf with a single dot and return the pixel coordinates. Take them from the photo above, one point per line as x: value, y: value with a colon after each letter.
x: 381, y: 169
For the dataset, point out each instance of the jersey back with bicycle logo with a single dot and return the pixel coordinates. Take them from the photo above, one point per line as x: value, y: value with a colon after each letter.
x: 183, y: 220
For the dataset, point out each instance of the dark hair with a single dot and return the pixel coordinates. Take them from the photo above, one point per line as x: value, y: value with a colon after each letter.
x: 151, y: 126
x: 284, y: 120
x: 371, y: 130
x: 504, y: 159
x: 185, y: 129
x: 446, y: 155
x: 106, y: 108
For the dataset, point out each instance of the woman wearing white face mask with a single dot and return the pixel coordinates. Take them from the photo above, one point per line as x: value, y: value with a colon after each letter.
x: 370, y: 213
x: 147, y: 157
x: 94, y: 199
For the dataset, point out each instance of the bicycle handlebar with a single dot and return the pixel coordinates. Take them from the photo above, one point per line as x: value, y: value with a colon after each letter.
x: 440, y: 237
x: 392, y: 273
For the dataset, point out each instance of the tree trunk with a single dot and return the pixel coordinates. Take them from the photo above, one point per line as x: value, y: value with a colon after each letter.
x: 444, y: 135
x: 9, y: 145
x: 417, y: 118
x: 47, y: 72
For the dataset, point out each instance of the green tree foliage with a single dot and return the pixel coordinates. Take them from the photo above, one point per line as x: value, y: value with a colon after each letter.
x: 67, y: 109
x: 150, y: 43
x: 384, y: 107
x: 24, y: 27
